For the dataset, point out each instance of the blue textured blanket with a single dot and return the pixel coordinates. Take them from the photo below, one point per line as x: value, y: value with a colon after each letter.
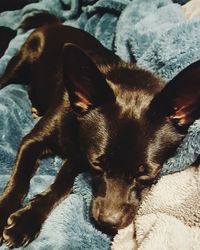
x: 157, y: 33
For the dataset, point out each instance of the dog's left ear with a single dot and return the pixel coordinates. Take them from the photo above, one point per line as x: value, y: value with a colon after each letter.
x: 180, y: 99
x: 86, y: 85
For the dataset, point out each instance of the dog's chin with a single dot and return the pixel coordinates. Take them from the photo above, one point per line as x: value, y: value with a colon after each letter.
x: 112, y: 230
x: 106, y: 229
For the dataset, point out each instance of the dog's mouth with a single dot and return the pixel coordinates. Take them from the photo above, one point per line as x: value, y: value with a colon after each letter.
x: 110, y: 228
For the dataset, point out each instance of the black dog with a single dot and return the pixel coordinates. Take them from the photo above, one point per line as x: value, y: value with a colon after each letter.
x: 100, y: 114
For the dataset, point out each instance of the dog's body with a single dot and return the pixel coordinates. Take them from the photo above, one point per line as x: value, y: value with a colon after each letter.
x: 99, y: 114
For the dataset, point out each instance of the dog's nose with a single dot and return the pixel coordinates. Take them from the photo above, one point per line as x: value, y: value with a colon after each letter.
x: 110, y: 219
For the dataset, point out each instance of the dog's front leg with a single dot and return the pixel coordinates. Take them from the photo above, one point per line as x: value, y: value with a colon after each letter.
x: 24, y: 225
x: 25, y: 165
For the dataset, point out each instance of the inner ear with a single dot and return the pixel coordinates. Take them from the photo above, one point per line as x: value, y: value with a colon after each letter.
x: 180, y: 99
x: 86, y: 85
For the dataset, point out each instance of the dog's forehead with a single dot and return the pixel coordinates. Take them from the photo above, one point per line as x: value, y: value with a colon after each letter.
x: 105, y: 132
x: 126, y: 143
x: 120, y: 142
x: 134, y: 88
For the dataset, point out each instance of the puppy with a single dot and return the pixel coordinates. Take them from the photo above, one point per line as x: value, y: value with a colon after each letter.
x: 99, y: 114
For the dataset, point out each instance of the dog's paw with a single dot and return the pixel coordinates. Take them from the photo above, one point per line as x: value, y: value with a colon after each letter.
x: 6, y: 208
x: 23, y: 226
x: 3, y: 218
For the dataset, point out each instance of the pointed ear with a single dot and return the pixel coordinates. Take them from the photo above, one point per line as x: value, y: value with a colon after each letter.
x: 180, y: 99
x: 86, y: 85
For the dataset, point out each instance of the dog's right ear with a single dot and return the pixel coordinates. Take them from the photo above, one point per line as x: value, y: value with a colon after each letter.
x: 180, y: 98
x: 86, y: 85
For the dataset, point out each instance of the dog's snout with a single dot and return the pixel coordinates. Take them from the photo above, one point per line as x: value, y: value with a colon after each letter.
x: 110, y: 219
x: 112, y: 216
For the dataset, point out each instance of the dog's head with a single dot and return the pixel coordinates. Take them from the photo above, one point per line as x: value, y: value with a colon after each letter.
x: 128, y: 126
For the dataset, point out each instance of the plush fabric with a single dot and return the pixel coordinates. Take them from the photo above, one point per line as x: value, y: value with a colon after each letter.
x: 158, y: 35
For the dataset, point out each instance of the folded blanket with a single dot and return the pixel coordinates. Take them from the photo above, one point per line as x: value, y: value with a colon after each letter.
x: 154, y: 32
x: 169, y: 217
